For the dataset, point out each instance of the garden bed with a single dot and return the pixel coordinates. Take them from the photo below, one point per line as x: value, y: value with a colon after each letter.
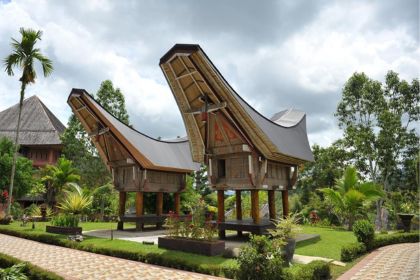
x: 64, y: 230
x: 202, y: 247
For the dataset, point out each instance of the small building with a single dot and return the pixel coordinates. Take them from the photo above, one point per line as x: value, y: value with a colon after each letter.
x: 243, y: 150
x: 40, y: 130
x: 138, y: 163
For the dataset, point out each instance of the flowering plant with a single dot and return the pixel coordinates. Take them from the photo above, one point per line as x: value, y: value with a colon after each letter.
x: 4, y: 195
x: 194, y: 226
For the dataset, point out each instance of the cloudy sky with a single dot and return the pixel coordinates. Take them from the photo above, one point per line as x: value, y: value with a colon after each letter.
x: 276, y: 54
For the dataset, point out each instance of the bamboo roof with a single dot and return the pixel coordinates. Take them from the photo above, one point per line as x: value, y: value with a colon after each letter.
x: 193, y: 78
x: 38, y: 126
x: 113, y: 135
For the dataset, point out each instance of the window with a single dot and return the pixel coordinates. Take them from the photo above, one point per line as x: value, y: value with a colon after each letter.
x: 221, y: 168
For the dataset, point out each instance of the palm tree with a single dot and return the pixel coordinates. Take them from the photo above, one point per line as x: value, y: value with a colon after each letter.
x: 349, y: 196
x: 24, y: 55
x: 58, y: 176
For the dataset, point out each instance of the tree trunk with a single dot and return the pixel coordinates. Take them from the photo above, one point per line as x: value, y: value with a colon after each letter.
x: 351, y: 222
x: 12, y: 176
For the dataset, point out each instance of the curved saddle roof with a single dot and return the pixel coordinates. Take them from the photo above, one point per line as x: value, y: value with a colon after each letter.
x: 190, y: 73
x: 150, y: 153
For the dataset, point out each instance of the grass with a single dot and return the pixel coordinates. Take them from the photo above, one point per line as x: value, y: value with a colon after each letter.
x: 129, y: 246
x: 329, y: 245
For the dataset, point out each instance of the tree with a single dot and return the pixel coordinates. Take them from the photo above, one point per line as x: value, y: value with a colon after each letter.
x: 24, y: 169
x: 201, y: 181
x: 378, y: 129
x: 329, y: 163
x: 349, y: 196
x: 24, y: 55
x: 58, y: 176
x: 377, y: 121
x: 113, y: 101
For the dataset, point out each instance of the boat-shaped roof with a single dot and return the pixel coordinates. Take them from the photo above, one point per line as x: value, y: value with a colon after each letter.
x: 190, y: 72
x: 149, y: 152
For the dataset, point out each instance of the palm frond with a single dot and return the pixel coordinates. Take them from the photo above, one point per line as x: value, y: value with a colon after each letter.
x: 350, y: 178
x: 371, y: 190
x: 335, y: 197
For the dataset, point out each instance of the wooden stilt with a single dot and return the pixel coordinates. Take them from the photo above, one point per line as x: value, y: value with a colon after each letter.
x: 221, y: 211
x: 139, y: 209
x: 159, y: 206
x: 177, y: 198
x: 272, y: 204
x: 285, y: 202
x: 121, y: 209
x: 255, y: 209
x: 238, y: 208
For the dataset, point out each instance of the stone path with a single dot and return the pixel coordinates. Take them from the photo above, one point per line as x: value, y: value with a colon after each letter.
x: 75, y: 264
x: 400, y: 261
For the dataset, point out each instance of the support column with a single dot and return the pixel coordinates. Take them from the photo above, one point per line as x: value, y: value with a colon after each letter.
x: 285, y: 202
x: 272, y: 204
x: 238, y: 208
x: 221, y: 211
x: 139, y: 209
x: 121, y: 209
x: 159, y: 207
x: 255, y: 208
x: 177, y: 198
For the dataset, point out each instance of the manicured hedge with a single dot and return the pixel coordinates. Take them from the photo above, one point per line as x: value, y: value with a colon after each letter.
x: 32, y: 271
x: 152, y: 258
x: 315, y: 270
x: 351, y: 251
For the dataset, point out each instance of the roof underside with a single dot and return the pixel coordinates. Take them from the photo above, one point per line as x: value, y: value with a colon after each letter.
x: 38, y: 126
x: 191, y: 76
x: 148, y: 152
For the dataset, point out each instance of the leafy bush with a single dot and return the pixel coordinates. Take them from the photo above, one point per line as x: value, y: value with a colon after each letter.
x: 365, y: 232
x: 14, y: 272
x: 16, y: 210
x: 260, y: 260
x: 351, y: 251
x: 65, y: 220
x: 75, y: 201
x: 286, y: 228
x: 396, y: 238
x: 32, y: 271
x: 315, y: 270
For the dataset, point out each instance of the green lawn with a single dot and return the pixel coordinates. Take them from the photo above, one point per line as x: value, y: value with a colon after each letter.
x: 129, y: 246
x: 329, y: 245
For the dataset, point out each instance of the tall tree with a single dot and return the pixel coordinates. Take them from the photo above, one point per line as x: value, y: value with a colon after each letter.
x: 113, y: 101
x: 24, y: 55
x: 378, y: 122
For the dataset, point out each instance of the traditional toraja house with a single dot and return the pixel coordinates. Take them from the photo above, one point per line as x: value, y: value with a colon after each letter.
x: 244, y: 151
x: 40, y: 130
x: 138, y: 163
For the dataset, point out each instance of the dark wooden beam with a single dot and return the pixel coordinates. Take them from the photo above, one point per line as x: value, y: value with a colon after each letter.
x: 221, y: 210
x: 177, y: 198
x: 255, y: 208
x: 272, y: 204
x: 139, y: 208
x: 285, y: 202
x: 159, y: 207
x: 238, y: 208
x: 121, y: 209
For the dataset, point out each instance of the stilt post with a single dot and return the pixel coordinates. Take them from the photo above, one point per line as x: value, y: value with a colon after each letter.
x: 121, y: 209
x: 285, y: 202
x: 221, y: 211
x: 255, y: 208
x: 272, y: 204
x: 238, y: 208
x: 139, y: 209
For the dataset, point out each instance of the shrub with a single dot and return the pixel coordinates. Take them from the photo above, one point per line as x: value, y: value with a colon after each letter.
x: 351, y: 251
x: 260, y: 260
x: 65, y: 220
x: 32, y: 271
x: 365, y: 232
x: 315, y: 270
x: 396, y: 238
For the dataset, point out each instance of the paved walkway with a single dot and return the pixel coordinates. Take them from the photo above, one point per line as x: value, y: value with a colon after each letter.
x: 400, y: 261
x: 75, y: 264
